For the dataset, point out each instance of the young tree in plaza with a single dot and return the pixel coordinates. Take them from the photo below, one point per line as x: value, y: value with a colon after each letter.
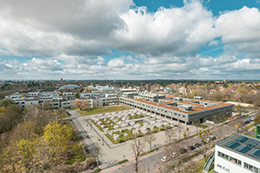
x: 137, y: 147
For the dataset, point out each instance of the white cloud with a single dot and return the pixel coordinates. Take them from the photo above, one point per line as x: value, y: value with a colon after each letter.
x: 73, y: 39
x: 116, y: 63
x: 213, y: 43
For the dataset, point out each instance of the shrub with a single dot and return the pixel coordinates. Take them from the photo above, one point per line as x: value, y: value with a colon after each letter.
x: 97, y: 170
x: 82, y: 159
x: 70, y: 161
x: 122, y: 161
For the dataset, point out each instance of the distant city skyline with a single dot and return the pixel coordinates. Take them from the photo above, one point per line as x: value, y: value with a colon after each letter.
x: 130, y: 40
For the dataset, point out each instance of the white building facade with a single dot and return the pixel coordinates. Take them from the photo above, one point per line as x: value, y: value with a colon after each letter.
x: 237, y: 154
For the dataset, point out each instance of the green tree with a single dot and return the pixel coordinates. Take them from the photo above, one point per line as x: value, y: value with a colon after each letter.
x: 6, y: 102
x: 57, y: 137
x: 257, y: 119
x: 77, y: 95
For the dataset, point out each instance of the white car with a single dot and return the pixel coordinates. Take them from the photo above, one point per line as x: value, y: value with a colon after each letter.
x: 164, y: 159
x: 173, y: 154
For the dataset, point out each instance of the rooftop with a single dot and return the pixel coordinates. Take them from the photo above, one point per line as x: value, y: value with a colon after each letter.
x: 196, y: 107
x: 243, y: 144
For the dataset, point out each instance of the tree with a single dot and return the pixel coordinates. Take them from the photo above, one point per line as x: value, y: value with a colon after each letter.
x: 6, y: 102
x: 77, y: 95
x: 25, y: 150
x: 177, y: 159
x: 257, y: 119
x: 80, y: 103
x: 57, y: 137
x: 169, y: 133
x: 196, y: 122
x: 137, y: 147
x: 149, y: 138
x: 204, y: 135
x: 97, y: 152
x: 186, y: 136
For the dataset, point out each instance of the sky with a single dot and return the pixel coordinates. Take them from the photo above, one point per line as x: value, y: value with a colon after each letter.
x: 130, y: 39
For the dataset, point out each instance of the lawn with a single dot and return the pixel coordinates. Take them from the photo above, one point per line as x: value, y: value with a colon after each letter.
x: 102, y: 110
x: 136, y: 116
x: 196, y: 167
x: 76, y: 148
x: 203, y: 126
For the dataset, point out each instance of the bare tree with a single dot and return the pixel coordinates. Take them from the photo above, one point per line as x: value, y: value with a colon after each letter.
x: 97, y: 153
x: 186, y: 135
x: 176, y: 163
x: 137, y: 147
x: 196, y: 122
x: 220, y: 128
x: 149, y: 138
x: 205, y: 140
x: 169, y: 133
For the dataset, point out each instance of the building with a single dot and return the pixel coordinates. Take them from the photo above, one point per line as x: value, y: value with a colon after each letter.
x: 182, y: 110
x: 238, y: 153
x: 129, y: 94
x: 151, y: 97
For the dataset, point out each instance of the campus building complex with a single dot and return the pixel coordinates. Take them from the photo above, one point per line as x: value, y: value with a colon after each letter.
x: 238, y: 153
x: 183, y: 110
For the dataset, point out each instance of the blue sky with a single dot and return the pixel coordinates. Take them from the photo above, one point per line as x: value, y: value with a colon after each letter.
x: 140, y: 39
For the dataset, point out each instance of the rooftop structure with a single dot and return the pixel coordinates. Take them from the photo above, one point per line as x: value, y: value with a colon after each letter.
x: 71, y: 86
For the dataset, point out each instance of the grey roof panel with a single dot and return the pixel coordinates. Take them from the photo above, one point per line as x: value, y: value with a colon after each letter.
x: 254, y: 152
x: 243, y: 148
x: 252, y: 142
x: 242, y: 139
x: 232, y: 144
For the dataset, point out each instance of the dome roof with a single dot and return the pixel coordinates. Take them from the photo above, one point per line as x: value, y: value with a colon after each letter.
x: 69, y: 87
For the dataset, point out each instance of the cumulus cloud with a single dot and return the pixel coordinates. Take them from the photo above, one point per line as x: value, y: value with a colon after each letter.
x: 73, y: 39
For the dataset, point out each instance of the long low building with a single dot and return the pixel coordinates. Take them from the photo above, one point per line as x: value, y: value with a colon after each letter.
x: 184, y: 110
x: 238, y: 153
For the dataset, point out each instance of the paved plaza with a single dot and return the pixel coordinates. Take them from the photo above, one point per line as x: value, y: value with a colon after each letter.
x: 112, y: 153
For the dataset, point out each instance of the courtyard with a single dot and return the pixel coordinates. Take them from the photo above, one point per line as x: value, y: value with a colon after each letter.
x: 124, y: 125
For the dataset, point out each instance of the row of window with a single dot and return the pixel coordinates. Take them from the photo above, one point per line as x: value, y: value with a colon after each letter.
x: 229, y: 158
x: 155, y: 108
x: 251, y: 168
x: 238, y: 162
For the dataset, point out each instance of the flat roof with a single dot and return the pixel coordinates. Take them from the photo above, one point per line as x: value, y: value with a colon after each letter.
x: 195, y: 107
x: 243, y: 145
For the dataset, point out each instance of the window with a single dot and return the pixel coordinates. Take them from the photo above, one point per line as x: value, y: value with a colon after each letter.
x: 170, y: 112
x: 183, y: 116
x: 251, y: 167
x: 231, y: 159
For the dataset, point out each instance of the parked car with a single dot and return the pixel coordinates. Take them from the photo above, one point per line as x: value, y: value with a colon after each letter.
x: 197, y: 145
x: 247, y: 122
x: 173, y: 154
x: 211, y: 138
x: 165, y: 159
x: 252, y: 118
x: 191, y: 147
x: 183, y: 150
